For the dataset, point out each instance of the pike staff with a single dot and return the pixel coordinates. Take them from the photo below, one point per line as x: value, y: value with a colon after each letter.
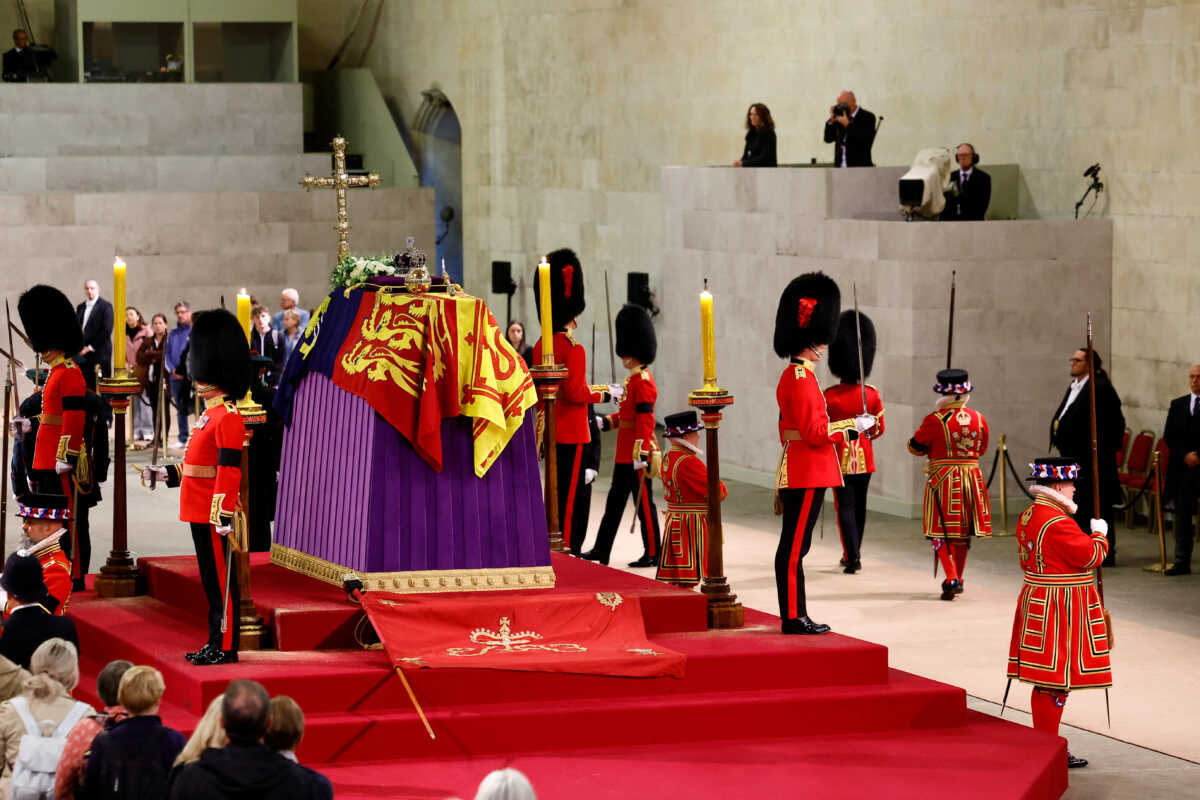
x: 1091, y: 366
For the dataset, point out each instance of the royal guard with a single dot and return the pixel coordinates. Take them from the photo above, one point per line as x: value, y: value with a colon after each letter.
x: 956, y: 498
x: 637, y: 456
x: 845, y: 401
x: 804, y: 325
x: 44, y: 520
x: 211, y: 475
x: 684, y: 476
x: 61, y: 464
x: 571, y: 424
x: 1060, y: 639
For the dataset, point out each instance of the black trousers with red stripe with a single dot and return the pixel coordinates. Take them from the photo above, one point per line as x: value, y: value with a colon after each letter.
x: 624, y: 486
x: 851, y: 502
x: 801, y: 507
x: 574, y: 496
x: 210, y: 558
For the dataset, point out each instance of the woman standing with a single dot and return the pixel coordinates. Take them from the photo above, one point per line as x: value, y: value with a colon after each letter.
x: 516, y: 337
x: 149, y: 358
x: 136, y: 331
x: 760, y: 138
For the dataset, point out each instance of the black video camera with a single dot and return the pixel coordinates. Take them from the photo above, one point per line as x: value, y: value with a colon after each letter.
x: 841, y: 108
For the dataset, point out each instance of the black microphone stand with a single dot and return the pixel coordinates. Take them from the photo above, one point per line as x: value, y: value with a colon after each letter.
x: 1095, y: 186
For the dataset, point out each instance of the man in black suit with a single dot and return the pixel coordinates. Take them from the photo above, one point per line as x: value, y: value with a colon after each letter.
x: 20, y: 62
x: 971, y: 188
x: 1182, y: 435
x: 29, y: 623
x: 1070, y: 433
x: 851, y: 129
x: 96, y: 316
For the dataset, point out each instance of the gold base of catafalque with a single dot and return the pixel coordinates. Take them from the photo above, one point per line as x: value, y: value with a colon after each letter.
x: 417, y: 581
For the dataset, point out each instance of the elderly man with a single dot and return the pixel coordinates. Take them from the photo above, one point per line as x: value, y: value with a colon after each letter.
x: 1182, y: 436
x: 971, y: 188
x: 289, y: 300
x: 851, y: 129
x: 95, y: 316
x: 176, y: 368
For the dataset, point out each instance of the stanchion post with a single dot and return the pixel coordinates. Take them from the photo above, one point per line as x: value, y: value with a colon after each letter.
x: 724, y: 611
x: 547, y: 379
x: 1156, y: 471
x: 118, y: 576
x: 1002, y: 447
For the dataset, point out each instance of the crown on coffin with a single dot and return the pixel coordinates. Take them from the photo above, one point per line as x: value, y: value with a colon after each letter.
x: 411, y: 265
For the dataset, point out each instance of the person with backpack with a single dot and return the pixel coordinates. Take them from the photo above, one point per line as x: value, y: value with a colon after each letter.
x: 132, y: 759
x: 34, y: 724
x: 79, y: 740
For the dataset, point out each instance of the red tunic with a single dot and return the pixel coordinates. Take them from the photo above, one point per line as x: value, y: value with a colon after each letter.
x: 1059, y: 639
x: 60, y: 434
x: 956, y: 497
x: 844, y: 402
x: 574, y: 394
x: 56, y: 572
x: 634, y: 417
x: 211, y: 475
x: 684, y: 556
x: 809, y: 459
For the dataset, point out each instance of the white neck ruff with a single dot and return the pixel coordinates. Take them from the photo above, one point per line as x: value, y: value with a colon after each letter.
x: 1050, y: 494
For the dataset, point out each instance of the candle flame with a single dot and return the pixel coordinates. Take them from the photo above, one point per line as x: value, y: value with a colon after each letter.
x: 118, y: 262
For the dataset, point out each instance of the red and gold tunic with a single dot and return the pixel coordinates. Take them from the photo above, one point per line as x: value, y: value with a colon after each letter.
x: 1059, y: 638
x: 634, y: 417
x: 56, y: 572
x: 574, y: 394
x: 64, y: 411
x: 956, y: 496
x: 844, y: 402
x: 684, y: 556
x: 809, y: 459
x: 211, y: 473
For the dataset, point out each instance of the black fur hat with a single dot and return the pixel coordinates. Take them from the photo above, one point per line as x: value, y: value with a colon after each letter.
x: 635, y: 335
x: 49, y: 320
x: 22, y: 577
x: 218, y: 353
x: 808, y: 313
x: 843, y: 350
x: 566, y: 288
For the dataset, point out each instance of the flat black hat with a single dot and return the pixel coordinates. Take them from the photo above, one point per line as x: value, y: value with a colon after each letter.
x: 635, y: 335
x: 218, y: 353
x: 22, y: 577
x: 681, y: 423
x: 808, y: 313
x: 952, y: 381
x: 44, y: 506
x: 50, y: 321
x: 843, y: 350
x: 566, y: 288
x: 1053, y: 469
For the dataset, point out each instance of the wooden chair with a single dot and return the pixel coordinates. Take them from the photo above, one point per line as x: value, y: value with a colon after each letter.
x: 1137, y: 464
x: 1124, y: 450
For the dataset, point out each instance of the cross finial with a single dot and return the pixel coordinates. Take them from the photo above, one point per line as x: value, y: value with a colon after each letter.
x: 340, y: 181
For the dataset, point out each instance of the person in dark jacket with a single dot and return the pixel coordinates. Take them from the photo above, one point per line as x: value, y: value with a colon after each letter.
x: 284, y: 732
x: 29, y: 623
x: 245, y: 768
x: 132, y: 760
x: 1070, y: 434
x: 760, y: 138
x: 851, y: 130
x: 970, y: 187
x: 1182, y: 435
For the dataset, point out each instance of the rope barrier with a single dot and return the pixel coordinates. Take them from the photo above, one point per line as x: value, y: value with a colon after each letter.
x: 1133, y: 503
x: 995, y: 462
x: 1017, y: 476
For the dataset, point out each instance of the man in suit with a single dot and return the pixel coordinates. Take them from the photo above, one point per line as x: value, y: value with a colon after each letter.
x: 96, y: 317
x: 1182, y: 435
x: 1070, y: 433
x: 971, y: 188
x: 29, y: 623
x: 20, y: 62
x: 851, y: 129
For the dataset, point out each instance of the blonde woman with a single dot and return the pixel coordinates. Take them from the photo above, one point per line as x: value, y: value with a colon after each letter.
x: 208, y: 733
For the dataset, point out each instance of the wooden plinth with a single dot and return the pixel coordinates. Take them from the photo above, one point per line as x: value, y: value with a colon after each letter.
x: 547, y: 380
x: 119, y: 576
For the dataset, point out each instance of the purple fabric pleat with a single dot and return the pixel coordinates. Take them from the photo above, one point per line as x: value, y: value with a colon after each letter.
x: 353, y: 491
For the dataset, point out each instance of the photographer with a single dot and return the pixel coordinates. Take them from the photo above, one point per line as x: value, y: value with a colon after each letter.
x: 970, y: 187
x: 851, y: 129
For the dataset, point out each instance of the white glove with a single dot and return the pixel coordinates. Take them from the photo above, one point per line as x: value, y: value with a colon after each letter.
x: 62, y: 467
x: 864, y: 422
x: 223, y: 530
x: 600, y: 421
x: 20, y: 426
x: 589, y: 475
x: 640, y: 464
x: 1099, y: 526
x: 155, y: 472
x: 616, y: 391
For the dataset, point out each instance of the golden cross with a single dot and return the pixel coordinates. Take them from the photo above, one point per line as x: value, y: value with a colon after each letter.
x: 340, y: 181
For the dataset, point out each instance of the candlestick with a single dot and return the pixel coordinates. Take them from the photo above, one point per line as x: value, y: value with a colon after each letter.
x: 547, y: 313
x: 243, y: 312
x: 118, y: 365
x: 708, y: 338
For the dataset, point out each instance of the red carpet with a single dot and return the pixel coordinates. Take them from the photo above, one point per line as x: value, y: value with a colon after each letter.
x: 820, y: 716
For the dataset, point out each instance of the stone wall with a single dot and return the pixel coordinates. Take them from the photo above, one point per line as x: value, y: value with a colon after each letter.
x: 570, y: 109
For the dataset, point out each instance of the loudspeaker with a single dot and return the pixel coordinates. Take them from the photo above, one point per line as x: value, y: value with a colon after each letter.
x: 502, y: 282
x: 637, y: 290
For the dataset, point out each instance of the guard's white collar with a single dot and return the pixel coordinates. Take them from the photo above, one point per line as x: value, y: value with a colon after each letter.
x: 44, y: 544
x: 1050, y: 494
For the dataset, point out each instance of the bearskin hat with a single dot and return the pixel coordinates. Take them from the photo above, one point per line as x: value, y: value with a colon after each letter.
x: 566, y: 288
x: 843, y: 350
x: 635, y: 335
x: 49, y: 320
x: 808, y: 313
x: 218, y: 353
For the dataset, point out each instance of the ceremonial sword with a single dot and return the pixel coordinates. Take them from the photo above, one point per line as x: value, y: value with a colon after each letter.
x: 862, y: 377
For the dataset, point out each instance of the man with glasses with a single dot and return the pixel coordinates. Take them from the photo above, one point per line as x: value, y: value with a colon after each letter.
x: 1070, y: 434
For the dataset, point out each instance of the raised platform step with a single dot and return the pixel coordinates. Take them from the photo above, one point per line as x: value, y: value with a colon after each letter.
x: 165, y: 173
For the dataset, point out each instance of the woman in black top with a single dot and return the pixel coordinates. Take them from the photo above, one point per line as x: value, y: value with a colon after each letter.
x: 760, y: 138
x: 516, y: 337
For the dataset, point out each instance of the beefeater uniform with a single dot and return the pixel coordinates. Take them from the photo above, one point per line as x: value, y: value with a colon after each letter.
x: 56, y: 566
x: 636, y: 442
x: 857, y: 458
x: 1059, y: 636
x: 684, y: 477
x: 956, y: 497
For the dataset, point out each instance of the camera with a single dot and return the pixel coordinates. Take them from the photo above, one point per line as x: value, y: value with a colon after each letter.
x: 841, y: 108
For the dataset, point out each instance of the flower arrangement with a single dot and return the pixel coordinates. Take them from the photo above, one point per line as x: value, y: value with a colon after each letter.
x: 352, y: 270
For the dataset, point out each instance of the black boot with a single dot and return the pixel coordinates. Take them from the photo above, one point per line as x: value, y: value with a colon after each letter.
x: 645, y: 561
x: 961, y: 585
x: 804, y: 626
x: 215, y: 657
x: 1075, y: 763
x: 852, y: 567
x: 951, y: 588
x: 201, y: 653
x: 1178, y: 569
x: 592, y: 555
